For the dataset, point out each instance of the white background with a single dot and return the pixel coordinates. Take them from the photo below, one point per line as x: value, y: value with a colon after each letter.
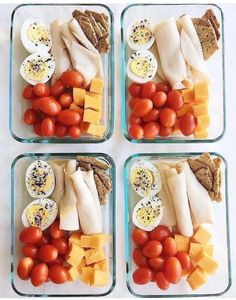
x: 117, y: 147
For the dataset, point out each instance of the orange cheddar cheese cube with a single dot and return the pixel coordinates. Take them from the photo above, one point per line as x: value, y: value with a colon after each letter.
x: 185, y: 109
x: 200, y: 109
x: 195, y: 249
x: 96, y: 86
x: 91, y: 116
x: 87, y: 275
x: 93, y: 103
x: 94, y: 255
x: 100, y: 278
x: 202, y: 235
x: 81, y: 265
x: 98, y: 96
x: 75, y: 238
x: 207, y: 263
x: 97, y: 130
x: 77, y: 108
x: 75, y: 256
x: 182, y: 242
x: 201, y: 133
x: 101, y: 265
x: 188, y: 95
x: 79, y: 96
x: 201, y: 91
x: 197, y: 278
x: 73, y: 273
x: 99, y: 240
x: 203, y: 121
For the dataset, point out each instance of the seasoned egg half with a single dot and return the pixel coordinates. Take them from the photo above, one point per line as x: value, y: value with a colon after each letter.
x: 39, y: 179
x: 40, y: 213
x: 145, y: 178
x: 37, y: 67
x: 142, y: 66
x: 140, y: 35
x: 147, y: 213
x: 35, y: 36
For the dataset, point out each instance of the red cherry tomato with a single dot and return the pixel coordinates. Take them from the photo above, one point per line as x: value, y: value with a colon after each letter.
x: 136, y: 132
x: 48, y: 127
x: 65, y: 100
x: 156, y: 263
x: 151, y: 130
x: 160, y: 233
x: 161, y: 281
x: 152, y: 116
x: 61, y: 244
x: 57, y: 88
x: 184, y: 259
x: 142, y: 275
x: 55, y: 231
x: 168, y: 117
x: 41, y: 90
x: 43, y: 241
x: 37, y: 128
x: 139, y: 259
x: 34, y: 104
x: 152, y: 248
x: 159, y: 99
x: 49, y: 106
x: 58, y: 261
x: 169, y: 246
x: 165, y: 131
x: 30, y: 251
x: 30, y: 116
x: 57, y: 274
x: 134, y: 120
x: 175, y: 100
x: 28, y: 92
x: 30, y: 235
x: 172, y: 269
x: 163, y: 87
x: 39, y: 274
x: 148, y: 90
x: 72, y: 79
x: 25, y: 267
x: 60, y: 130
x: 74, y: 131
x: 142, y: 108
x: 69, y: 117
x: 135, y: 90
x: 140, y: 237
x: 133, y: 101
x: 187, y: 124
x: 47, y: 253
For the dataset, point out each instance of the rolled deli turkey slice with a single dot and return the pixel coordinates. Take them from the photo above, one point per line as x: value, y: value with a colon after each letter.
x: 59, y: 190
x: 90, y: 221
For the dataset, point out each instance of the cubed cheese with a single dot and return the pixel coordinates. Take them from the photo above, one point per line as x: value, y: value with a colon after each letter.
x: 94, y: 255
x: 202, y: 235
x: 188, y: 95
x: 73, y: 273
x: 86, y: 241
x: 182, y: 242
x: 99, y: 240
x: 79, y: 96
x: 96, y: 86
x: 101, y: 265
x: 93, y: 103
x: 81, y: 265
x: 197, y: 278
x: 185, y: 109
x: 87, y: 275
x: 91, y: 116
x: 203, y: 121
x: 75, y: 256
x: 98, y: 96
x: 73, y: 106
x: 100, y: 278
x: 201, y: 133
x: 200, y: 109
x: 207, y: 263
x: 75, y: 238
x: 97, y: 130
x: 201, y: 91
x: 194, y: 250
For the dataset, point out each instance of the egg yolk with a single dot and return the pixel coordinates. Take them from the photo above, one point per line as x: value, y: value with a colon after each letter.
x: 146, y: 216
x: 40, y: 181
x: 142, y: 67
x: 36, y: 70
x: 140, y: 35
x: 37, y: 215
x: 37, y: 33
x: 142, y: 178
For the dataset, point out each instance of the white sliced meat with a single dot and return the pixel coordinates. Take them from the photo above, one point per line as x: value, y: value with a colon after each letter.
x: 66, y: 32
x: 171, y: 57
x: 83, y: 60
x: 59, y: 190
x: 58, y: 51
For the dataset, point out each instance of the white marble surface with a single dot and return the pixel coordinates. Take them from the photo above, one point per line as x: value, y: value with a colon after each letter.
x: 119, y: 148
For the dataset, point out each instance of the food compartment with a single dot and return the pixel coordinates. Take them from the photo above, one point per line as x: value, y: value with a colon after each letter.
x: 197, y: 239
x: 90, y: 96
x: 196, y: 71
x: 85, y: 276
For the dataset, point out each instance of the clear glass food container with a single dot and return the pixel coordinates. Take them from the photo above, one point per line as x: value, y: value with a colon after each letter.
x: 20, y: 199
x: 215, y: 67
x: 216, y: 284
x: 47, y: 13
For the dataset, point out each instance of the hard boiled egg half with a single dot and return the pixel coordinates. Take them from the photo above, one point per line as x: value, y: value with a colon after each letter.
x: 40, y: 213
x: 39, y: 179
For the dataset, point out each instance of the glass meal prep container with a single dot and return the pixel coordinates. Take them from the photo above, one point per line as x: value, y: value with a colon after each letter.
x: 47, y: 13
x: 215, y: 67
x: 20, y: 199
x: 216, y: 284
